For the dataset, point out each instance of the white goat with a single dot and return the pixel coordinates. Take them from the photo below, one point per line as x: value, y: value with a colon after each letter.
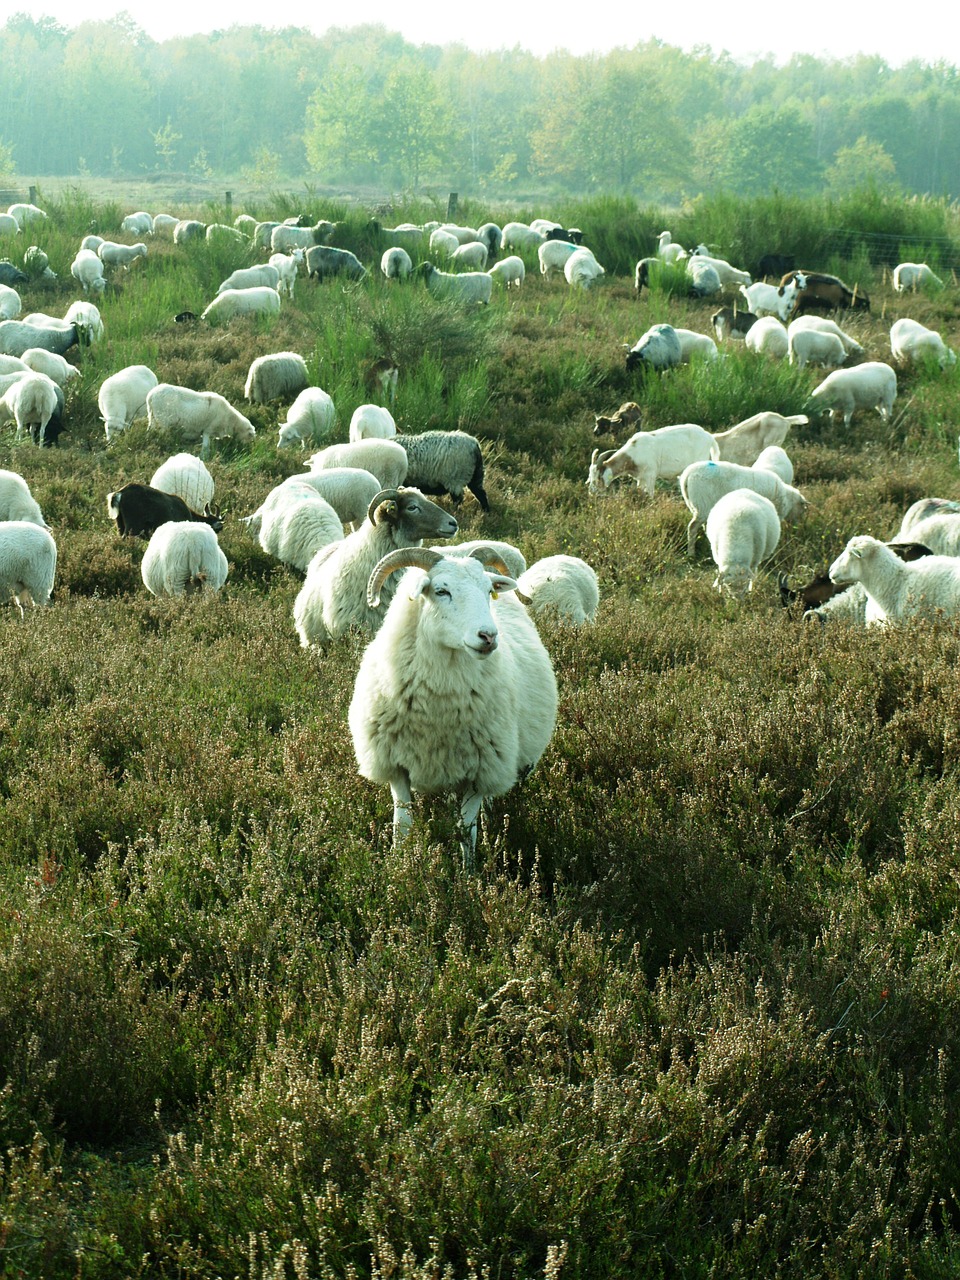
x: 651, y: 455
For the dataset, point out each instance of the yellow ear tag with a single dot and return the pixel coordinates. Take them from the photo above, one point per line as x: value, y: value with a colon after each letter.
x: 495, y: 594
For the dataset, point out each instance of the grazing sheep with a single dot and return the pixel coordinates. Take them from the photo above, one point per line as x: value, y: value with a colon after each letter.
x: 310, y: 419
x: 57, y: 368
x: 407, y: 236
x: 705, y: 279
x: 9, y: 226
x: 775, y: 459
x: 702, y: 485
x: 456, y: 692
x: 11, y: 275
x: 768, y: 337
x: 518, y: 235
x: 137, y: 224
x: 743, y: 530
x: 744, y: 441
x: 471, y: 256
x: 123, y: 397
x: 386, y: 459
x: 324, y: 262
x: 729, y: 275
x: 822, y: 324
x: 872, y: 385
x: 553, y: 255
x: 25, y: 214
x: 92, y: 243
x: 914, y: 275
x: 284, y: 237
x: 17, y: 502
x: 468, y: 286
x: 896, y: 589
x: 296, y: 522
x: 181, y: 559
x: 28, y: 563
x: 565, y: 586
x: 263, y: 275
x: 187, y: 478
x: 443, y: 243
x: 31, y: 400
x: 445, y: 462
x: 490, y: 236
x: 651, y: 455
x: 372, y: 422
x: 349, y: 490
x: 188, y: 229
x: 581, y: 269
x: 17, y: 336
x: 220, y: 233
x: 12, y: 364
x: 658, y: 348
x: 10, y: 303
x: 197, y: 415
x: 286, y: 266
x: 164, y: 224
x: 334, y: 596
x: 396, y: 263
x: 695, y: 344
x: 140, y: 509
x: 86, y: 316
x: 810, y: 346
x: 508, y: 271
x: 911, y: 342
x: 112, y: 254
x: 242, y: 302
x: 279, y: 376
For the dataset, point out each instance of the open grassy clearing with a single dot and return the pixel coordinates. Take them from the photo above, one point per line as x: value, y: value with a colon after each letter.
x: 698, y: 1013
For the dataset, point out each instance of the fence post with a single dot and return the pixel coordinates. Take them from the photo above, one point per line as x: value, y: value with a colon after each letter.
x: 451, y: 206
x: 228, y: 201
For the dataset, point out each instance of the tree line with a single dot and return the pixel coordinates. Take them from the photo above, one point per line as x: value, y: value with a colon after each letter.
x: 362, y: 106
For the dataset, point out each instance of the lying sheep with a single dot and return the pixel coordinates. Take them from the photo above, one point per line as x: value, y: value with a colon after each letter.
x: 651, y: 455
x: 17, y: 502
x: 743, y: 530
x: 310, y: 419
x: 261, y: 301
x: 912, y: 342
x: 896, y: 589
x: 386, y: 459
x: 297, y: 523
x: 703, y: 484
x: 508, y: 271
x: 28, y: 563
x: 513, y: 558
x: 922, y: 509
x: 914, y: 275
x: 872, y: 385
x: 445, y: 462
x: 187, y: 478
x: 281, y: 375
x: 123, y: 397
x: 471, y: 287
x: 562, y: 585
x: 939, y: 531
x: 768, y: 337
x: 196, y: 415
x: 183, y: 558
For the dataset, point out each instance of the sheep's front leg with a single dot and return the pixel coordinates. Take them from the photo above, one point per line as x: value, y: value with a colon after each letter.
x: 402, y: 804
x: 469, y: 818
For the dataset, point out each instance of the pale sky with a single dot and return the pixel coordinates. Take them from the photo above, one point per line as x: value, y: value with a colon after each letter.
x: 834, y: 29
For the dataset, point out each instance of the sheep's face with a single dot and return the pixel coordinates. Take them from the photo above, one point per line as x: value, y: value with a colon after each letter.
x: 415, y: 516
x: 848, y: 566
x: 737, y: 579
x: 456, y: 596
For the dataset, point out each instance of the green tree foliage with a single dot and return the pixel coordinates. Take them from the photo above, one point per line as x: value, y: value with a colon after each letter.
x: 865, y: 164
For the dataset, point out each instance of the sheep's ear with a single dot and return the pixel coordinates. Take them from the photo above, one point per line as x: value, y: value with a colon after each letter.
x: 418, y: 587
x: 500, y: 582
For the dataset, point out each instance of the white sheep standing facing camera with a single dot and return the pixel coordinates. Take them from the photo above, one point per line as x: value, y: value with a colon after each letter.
x: 456, y: 692
x: 743, y: 530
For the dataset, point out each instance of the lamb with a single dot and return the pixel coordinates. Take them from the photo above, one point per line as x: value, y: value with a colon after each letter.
x: 324, y: 262
x: 456, y: 691
x: 911, y: 342
x: 197, y: 415
x: 187, y: 478
x: 242, y: 302
x: 472, y: 256
x: 468, y: 286
x: 896, y: 589
x: 28, y: 563
x: 279, y: 376
x: 914, y: 275
x: 297, y: 523
x: 811, y: 346
x: 695, y: 344
x: 88, y: 269
x: 872, y: 385
x: 123, y: 397
x: 651, y: 455
x: 743, y: 530
x: 372, y: 422
x: 86, y: 316
x: 518, y: 235
x: 57, y: 368
x: 251, y: 278
x: 728, y: 322
x: 822, y: 324
x: 743, y: 443
x: 140, y: 509
x: 10, y: 303
x: 349, y: 490
x: 181, y: 559
x: 17, y: 502
x: 581, y: 269
x: 287, y: 265
x: 553, y: 255
x: 702, y: 484
x: 31, y: 400
x: 310, y: 419
x: 17, y: 336
x: 386, y: 459
x: 112, y: 254
x: 628, y: 415
x: 396, y: 263
x: 768, y: 337
x: 775, y: 459
x: 445, y: 462
x: 137, y: 224
x: 658, y: 348
x: 508, y: 271
x: 333, y: 597
x: 563, y: 585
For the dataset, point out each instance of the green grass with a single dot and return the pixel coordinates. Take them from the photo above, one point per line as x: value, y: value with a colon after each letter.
x: 698, y: 1012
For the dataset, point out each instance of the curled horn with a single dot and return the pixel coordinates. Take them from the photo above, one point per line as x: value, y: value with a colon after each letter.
x: 385, y: 495
x: 490, y: 558
x: 404, y: 558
